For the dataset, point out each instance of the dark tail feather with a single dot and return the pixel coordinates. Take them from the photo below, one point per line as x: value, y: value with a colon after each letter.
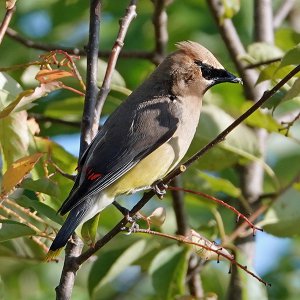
x: 73, y: 220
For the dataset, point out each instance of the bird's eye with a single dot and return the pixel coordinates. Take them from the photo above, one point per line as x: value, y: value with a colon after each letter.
x: 209, y: 72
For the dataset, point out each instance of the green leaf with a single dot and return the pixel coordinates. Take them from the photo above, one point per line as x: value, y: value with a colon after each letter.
x: 286, y: 38
x: 217, y: 184
x: 9, y: 90
x: 24, y: 99
x: 69, y: 109
x: 273, y: 72
x: 14, y: 137
x: 283, y: 218
x: 41, y: 208
x: 42, y: 185
x: 241, y: 142
x: 260, y: 119
x: 89, y: 229
x: 168, y: 270
x: 292, y: 57
x: 264, y: 51
x: 109, y: 265
x: 293, y: 92
x: 12, y: 229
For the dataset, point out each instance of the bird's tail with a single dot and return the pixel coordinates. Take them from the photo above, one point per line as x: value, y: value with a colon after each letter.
x: 73, y: 220
x: 79, y: 214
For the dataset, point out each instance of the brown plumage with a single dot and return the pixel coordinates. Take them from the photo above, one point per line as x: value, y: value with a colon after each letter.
x: 145, y: 137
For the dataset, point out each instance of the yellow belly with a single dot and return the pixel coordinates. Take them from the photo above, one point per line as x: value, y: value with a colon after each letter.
x: 155, y: 166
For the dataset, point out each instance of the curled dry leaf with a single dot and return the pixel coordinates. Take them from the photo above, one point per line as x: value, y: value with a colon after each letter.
x: 204, y: 253
x: 17, y: 171
x: 157, y: 217
x: 46, y: 76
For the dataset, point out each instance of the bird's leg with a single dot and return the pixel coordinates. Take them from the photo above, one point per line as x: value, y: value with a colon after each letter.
x: 125, y: 213
x: 159, y: 188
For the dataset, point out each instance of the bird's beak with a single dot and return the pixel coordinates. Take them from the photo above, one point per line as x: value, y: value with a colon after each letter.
x: 228, y: 77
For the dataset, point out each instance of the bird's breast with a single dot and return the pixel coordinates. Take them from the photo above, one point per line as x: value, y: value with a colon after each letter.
x: 162, y: 160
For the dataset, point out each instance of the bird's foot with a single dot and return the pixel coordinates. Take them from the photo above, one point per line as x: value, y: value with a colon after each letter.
x: 132, y: 220
x: 159, y: 188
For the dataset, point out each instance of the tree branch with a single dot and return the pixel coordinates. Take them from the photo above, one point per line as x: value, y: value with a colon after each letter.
x: 89, y: 127
x: 6, y: 20
x: 105, y: 88
x: 76, y: 51
x: 70, y: 268
x: 74, y: 247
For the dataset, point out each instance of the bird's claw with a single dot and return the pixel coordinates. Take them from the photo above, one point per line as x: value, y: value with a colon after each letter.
x: 159, y: 188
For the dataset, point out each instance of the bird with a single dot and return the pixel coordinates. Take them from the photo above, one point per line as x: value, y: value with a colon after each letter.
x: 144, y: 138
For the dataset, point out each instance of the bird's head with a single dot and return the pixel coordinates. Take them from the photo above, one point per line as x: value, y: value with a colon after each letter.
x: 194, y: 70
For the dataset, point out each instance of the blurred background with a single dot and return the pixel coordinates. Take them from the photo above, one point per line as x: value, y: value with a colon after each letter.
x: 64, y: 24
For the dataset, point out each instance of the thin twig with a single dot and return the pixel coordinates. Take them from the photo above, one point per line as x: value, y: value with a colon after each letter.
x: 105, y: 88
x: 76, y: 51
x: 189, y: 242
x: 282, y: 12
x: 6, y: 20
x: 263, y: 63
x: 221, y: 202
x: 60, y: 171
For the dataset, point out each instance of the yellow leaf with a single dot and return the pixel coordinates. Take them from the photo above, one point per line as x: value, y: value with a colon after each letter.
x: 17, y: 171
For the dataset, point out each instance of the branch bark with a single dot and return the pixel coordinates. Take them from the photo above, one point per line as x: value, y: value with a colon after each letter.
x: 6, y: 20
x: 74, y: 247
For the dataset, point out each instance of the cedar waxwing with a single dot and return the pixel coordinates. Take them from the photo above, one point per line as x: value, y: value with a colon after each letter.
x: 145, y: 137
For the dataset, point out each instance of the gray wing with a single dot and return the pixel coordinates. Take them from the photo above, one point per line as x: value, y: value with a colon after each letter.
x: 131, y: 133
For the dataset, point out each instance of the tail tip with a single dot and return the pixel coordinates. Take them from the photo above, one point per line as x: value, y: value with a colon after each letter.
x: 52, y: 254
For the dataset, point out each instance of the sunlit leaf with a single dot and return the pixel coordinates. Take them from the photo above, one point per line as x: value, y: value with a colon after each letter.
x: 292, y: 57
x: 264, y: 51
x: 29, y: 96
x: 14, y: 137
x: 17, y: 171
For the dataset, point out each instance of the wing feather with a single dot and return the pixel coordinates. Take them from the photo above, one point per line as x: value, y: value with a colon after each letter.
x: 131, y: 133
